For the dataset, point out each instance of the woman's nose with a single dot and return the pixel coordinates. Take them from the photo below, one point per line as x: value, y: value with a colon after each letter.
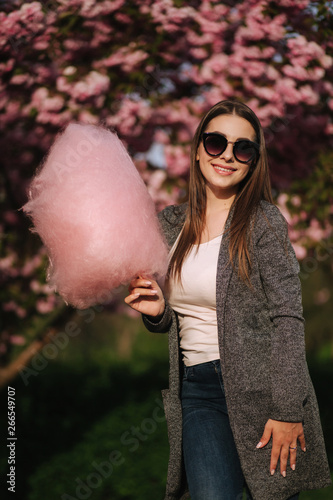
x: 228, y: 153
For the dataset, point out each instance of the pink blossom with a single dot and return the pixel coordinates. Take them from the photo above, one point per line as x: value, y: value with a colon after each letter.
x: 93, y: 84
x: 45, y: 306
x: 21, y: 79
x: 161, y: 136
x: 296, y: 72
x: 91, y: 8
x: 7, y: 262
x: 122, y: 18
x: 63, y: 85
x: 11, y: 306
x: 177, y: 159
x: 199, y: 39
x: 41, y: 101
x: 73, y: 45
x: 300, y: 251
x: 308, y: 95
x: 17, y: 340
x: 267, y: 112
x: 164, y: 12
x: 315, y: 232
x: 259, y: 27
x: 326, y: 61
x: 255, y: 69
x: 217, y: 63
x: 127, y: 57
x: 213, y: 12
x: 93, y: 72
x: 86, y: 116
x: 316, y: 73
x: 267, y: 93
x: 7, y: 66
x: 31, y: 265
x: 57, y: 119
x: 199, y: 53
x: 282, y: 204
x: 300, y: 47
x: 69, y: 71
x: 286, y: 87
x: 130, y: 118
x: 272, y: 73
x: 329, y: 129
x: 154, y: 183
x: 43, y: 74
x: 11, y: 217
x: 296, y: 200
x: 299, y: 4
x: 322, y: 296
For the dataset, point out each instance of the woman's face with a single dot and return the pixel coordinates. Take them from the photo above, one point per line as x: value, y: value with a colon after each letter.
x: 223, y: 173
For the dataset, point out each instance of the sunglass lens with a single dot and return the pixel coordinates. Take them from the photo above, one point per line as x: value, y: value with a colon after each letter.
x: 244, y: 151
x: 215, y: 144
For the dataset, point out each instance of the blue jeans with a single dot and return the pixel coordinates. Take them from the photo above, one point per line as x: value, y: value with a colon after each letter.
x: 211, y: 461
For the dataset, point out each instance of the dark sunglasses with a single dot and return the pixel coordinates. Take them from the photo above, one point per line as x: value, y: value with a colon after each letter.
x: 244, y: 151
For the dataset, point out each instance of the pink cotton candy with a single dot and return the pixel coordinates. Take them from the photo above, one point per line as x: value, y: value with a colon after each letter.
x: 93, y: 212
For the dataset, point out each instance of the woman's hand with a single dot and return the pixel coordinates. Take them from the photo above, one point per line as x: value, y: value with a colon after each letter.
x: 285, y: 436
x: 146, y: 297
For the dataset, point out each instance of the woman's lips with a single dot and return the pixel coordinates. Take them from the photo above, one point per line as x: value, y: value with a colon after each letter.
x: 220, y: 169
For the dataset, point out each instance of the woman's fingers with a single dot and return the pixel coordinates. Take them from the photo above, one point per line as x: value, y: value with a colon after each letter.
x: 140, y: 283
x: 293, y: 455
x: 284, y: 447
x: 140, y: 295
x: 284, y: 455
x: 145, y: 296
x: 301, y: 439
x: 144, y: 292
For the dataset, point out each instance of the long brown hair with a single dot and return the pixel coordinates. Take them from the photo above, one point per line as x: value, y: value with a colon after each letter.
x: 254, y: 188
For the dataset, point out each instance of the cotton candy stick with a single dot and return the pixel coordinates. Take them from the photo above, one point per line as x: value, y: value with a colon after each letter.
x: 95, y: 216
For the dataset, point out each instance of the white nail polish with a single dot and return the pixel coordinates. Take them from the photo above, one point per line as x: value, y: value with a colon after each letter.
x: 272, y: 472
x: 293, y: 466
x: 284, y: 473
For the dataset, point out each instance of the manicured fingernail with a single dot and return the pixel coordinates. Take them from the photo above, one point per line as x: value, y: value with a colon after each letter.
x: 293, y: 466
x: 148, y: 283
x: 259, y: 445
x: 153, y: 292
x: 304, y: 449
x: 284, y: 473
x: 136, y: 295
x: 272, y: 472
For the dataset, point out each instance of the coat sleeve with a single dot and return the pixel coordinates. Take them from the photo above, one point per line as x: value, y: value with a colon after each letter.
x: 171, y: 221
x: 162, y: 325
x: 279, y: 270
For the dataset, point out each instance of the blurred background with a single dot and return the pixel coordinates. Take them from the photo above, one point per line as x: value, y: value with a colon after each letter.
x: 89, y: 422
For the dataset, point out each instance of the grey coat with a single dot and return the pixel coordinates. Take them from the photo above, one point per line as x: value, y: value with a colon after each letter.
x: 262, y: 353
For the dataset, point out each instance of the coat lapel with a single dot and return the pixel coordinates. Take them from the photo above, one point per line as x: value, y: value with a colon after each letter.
x: 223, y: 276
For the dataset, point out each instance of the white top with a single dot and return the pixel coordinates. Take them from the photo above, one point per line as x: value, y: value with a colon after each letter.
x: 194, y: 299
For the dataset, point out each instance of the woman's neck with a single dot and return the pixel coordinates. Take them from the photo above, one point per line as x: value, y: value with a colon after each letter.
x: 215, y: 204
x: 217, y: 211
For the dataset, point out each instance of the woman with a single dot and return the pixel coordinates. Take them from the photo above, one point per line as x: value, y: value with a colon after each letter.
x: 240, y: 407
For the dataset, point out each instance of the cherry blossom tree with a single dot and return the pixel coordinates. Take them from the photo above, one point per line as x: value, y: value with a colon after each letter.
x: 149, y: 69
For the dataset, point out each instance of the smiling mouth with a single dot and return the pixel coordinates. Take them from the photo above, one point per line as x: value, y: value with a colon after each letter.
x: 227, y: 170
